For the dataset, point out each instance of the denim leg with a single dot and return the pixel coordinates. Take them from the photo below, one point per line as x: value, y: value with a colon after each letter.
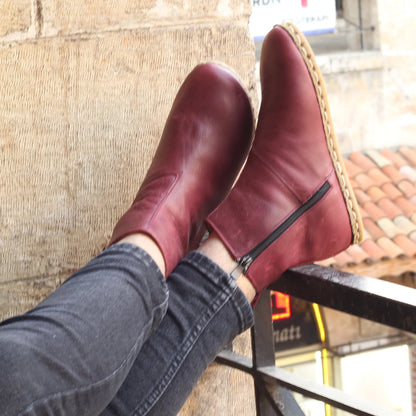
x: 70, y: 354
x: 206, y: 312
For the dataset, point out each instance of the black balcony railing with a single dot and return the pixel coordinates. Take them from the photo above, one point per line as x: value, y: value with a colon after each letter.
x: 379, y: 301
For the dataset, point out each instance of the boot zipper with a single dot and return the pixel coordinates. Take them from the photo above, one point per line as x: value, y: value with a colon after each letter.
x: 245, y: 261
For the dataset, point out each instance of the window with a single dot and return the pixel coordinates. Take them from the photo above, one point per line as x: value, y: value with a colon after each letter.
x: 352, y: 25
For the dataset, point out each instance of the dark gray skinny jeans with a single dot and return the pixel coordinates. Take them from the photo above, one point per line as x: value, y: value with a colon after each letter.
x: 109, y: 342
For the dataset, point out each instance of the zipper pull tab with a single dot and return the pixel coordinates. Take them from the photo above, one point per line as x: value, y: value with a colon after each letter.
x: 237, y: 272
x: 243, y: 263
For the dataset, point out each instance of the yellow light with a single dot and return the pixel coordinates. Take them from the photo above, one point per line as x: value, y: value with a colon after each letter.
x: 327, y: 409
x: 324, y: 355
x: 319, y: 322
x: 325, y: 369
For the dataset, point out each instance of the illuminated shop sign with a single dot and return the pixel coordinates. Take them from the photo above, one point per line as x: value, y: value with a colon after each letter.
x: 311, y: 16
x: 294, y: 323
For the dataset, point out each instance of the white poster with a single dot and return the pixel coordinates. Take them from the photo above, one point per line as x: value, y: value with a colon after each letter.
x: 311, y: 16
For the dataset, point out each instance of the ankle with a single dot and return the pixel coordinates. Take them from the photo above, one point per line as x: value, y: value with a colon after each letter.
x: 214, y: 249
x: 149, y: 245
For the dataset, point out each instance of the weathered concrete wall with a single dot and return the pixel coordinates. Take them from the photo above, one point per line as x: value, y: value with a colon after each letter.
x: 86, y: 88
x: 222, y: 391
x: 373, y: 93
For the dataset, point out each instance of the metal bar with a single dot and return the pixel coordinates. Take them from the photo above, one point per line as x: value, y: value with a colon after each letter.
x: 308, y: 388
x: 329, y: 395
x: 360, y: 19
x: 263, y: 352
x: 282, y: 400
x: 374, y: 299
x: 273, y: 408
x: 262, y: 332
x: 366, y: 297
x: 237, y: 361
x: 357, y: 26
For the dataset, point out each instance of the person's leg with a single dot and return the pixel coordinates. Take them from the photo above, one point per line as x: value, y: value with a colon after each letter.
x: 70, y: 354
x: 291, y: 205
x: 207, y: 309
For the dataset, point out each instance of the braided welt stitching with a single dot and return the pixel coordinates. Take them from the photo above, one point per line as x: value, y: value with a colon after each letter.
x: 330, y: 138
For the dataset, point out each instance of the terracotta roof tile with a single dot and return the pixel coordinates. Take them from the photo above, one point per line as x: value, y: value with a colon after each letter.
x: 374, y: 251
x: 394, y: 173
x: 366, y: 235
x: 343, y: 259
x: 361, y: 196
x: 373, y: 229
x: 407, y: 245
x: 364, y: 181
x: 374, y: 212
x: 406, y: 206
x: 375, y: 193
x: 412, y: 236
x: 378, y: 158
x: 362, y: 161
x: 391, y: 191
x: 404, y: 224
x: 388, y: 227
x: 357, y: 254
x: 378, y: 177
x: 407, y: 188
x: 363, y: 212
x: 396, y: 159
x: 385, y: 187
x: 352, y: 168
x: 392, y: 249
x: 409, y: 173
x: 409, y: 154
x: 390, y: 209
x: 353, y: 183
x: 327, y: 262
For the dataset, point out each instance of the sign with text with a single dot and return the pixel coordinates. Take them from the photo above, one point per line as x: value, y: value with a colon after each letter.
x: 310, y: 16
x: 294, y: 324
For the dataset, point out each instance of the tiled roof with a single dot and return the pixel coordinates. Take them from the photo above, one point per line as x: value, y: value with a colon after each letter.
x: 385, y: 186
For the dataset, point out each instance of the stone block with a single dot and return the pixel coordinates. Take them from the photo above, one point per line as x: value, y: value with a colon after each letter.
x: 397, y: 29
x: 15, y: 16
x: 356, y: 129
x: 396, y: 10
x: 80, y: 120
x: 17, y: 297
x: 232, y: 389
x: 68, y: 17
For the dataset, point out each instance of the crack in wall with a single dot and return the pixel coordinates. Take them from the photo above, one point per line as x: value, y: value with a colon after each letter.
x: 38, y: 17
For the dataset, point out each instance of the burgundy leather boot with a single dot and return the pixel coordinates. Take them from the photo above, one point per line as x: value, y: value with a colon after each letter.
x: 204, y: 145
x: 293, y: 203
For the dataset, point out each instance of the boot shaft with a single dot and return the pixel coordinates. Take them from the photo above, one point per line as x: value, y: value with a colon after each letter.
x: 292, y: 204
x: 204, y: 145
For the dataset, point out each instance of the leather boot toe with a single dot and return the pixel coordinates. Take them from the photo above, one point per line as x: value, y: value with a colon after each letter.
x: 204, y: 145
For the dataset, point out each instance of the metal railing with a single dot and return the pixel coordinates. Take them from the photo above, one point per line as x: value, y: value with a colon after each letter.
x: 379, y: 301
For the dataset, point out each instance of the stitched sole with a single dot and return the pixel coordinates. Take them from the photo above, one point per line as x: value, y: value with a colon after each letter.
x: 309, y: 58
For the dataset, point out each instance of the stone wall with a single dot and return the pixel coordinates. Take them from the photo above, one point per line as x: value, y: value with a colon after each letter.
x: 373, y: 92
x: 86, y: 87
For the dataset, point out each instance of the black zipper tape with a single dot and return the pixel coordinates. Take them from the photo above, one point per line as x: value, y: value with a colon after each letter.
x: 246, y: 260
